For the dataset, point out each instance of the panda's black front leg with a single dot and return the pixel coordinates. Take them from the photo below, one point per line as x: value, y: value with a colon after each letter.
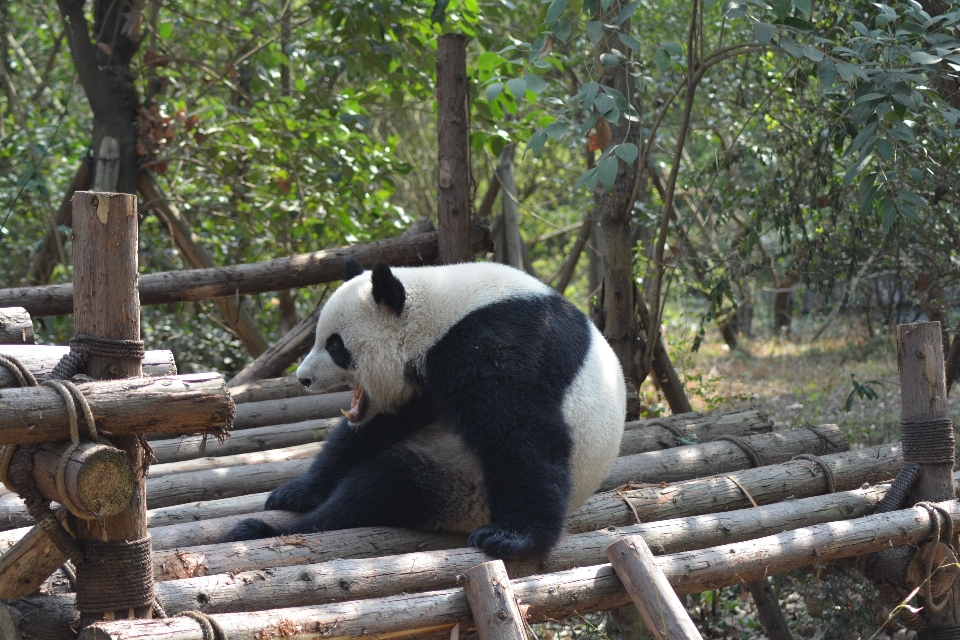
x: 528, y: 485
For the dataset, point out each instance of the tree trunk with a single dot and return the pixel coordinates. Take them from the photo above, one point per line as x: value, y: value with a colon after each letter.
x: 453, y: 142
x: 507, y: 244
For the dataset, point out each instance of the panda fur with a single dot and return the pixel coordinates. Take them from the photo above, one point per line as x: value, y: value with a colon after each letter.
x: 488, y: 404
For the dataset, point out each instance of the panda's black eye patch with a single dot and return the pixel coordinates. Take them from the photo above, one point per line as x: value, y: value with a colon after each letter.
x: 338, y: 351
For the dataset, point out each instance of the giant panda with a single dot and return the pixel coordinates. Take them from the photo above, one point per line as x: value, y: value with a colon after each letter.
x: 484, y: 402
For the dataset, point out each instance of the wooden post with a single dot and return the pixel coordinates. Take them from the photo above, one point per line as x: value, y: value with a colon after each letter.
x: 495, y: 609
x: 453, y: 142
x: 107, y: 305
x: 650, y: 591
x: 923, y: 396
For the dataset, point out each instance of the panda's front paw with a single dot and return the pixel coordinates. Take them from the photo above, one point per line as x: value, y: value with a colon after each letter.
x: 293, y: 496
x: 252, y: 529
x: 502, y: 542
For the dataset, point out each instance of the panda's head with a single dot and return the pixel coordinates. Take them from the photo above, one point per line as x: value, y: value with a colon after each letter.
x: 359, y: 341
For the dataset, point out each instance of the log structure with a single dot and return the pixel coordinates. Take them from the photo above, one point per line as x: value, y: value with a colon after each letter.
x: 271, y: 275
x: 556, y: 595
x: 16, y: 327
x: 41, y: 359
x: 648, y: 587
x: 268, y: 389
x: 246, y: 441
x: 307, y: 407
x: 492, y: 604
x: 191, y: 403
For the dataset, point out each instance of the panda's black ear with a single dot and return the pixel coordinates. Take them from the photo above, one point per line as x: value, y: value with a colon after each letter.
x: 387, y: 289
x: 351, y: 268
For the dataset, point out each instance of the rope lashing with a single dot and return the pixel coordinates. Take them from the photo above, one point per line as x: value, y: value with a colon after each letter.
x: 211, y: 629
x: 83, y: 346
x: 115, y: 576
x: 827, y: 471
x: 752, y: 454
x: 929, y: 441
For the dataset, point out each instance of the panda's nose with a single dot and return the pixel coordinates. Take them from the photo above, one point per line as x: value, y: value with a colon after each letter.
x: 305, y: 381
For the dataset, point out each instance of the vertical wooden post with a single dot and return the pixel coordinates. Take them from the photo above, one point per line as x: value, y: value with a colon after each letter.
x: 651, y: 591
x: 107, y: 305
x: 923, y: 396
x: 453, y: 157
x: 494, y: 607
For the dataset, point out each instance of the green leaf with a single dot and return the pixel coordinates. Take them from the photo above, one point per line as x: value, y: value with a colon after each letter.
x: 855, y: 170
x: 489, y: 60
x: 868, y: 192
x: 791, y: 46
x: 556, y: 130
x: 165, y: 30
x: 885, y: 149
x: 628, y: 11
x: 827, y: 73
x: 607, y: 172
x: 594, y: 31
x: 588, y: 180
x: 605, y: 103
x: 608, y: 60
x: 781, y: 8
x: 733, y: 9
x: 813, y: 53
x: 912, y: 198
x: 605, y: 4
x: 493, y: 90
x: 662, y: 58
x: 518, y: 87
x: 627, y: 152
x: 921, y: 57
x: 300, y: 84
x: 555, y: 9
x: 803, y: 6
x: 862, y: 137
x: 535, y: 83
x: 888, y: 213
x: 562, y: 29
x: 764, y: 32
x: 673, y: 48
x: 536, y: 142
x: 630, y: 42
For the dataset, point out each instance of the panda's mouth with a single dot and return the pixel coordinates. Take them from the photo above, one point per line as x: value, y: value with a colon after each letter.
x: 358, y: 405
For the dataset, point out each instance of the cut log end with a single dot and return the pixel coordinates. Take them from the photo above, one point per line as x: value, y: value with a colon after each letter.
x: 105, y: 482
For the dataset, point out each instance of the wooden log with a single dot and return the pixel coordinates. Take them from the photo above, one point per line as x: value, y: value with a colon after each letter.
x: 554, y: 595
x: 650, y: 435
x: 194, y: 512
x: 338, y: 580
x: 310, y: 407
x: 711, y: 458
x: 191, y: 534
x: 298, y: 452
x: 191, y: 403
x: 492, y: 603
x: 242, y: 279
x: 41, y: 359
x: 796, y: 479
x: 270, y: 389
x: 246, y: 441
x: 668, y: 536
x: 98, y: 479
x: 650, y: 591
x: 25, y: 566
x: 42, y: 618
x: 453, y: 144
x: 107, y: 305
x: 281, y: 354
x: 16, y: 327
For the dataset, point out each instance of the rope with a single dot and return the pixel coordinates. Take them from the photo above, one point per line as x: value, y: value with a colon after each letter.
x: 835, y: 446
x: 83, y: 346
x: 896, y: 496
x: 115, y: 576
x: 935, y: 511
x: 940, y: 633
x: 19, y: 370
x: 752, y: 454
x: 742, y: 488
x: 211, y: 629
x: 928, y: 441
x: 827, y: 471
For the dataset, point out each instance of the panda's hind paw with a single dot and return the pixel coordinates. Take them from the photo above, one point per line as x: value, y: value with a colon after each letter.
x: 293, y: 496
x: 502, y: 542
x: 252, y: 529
